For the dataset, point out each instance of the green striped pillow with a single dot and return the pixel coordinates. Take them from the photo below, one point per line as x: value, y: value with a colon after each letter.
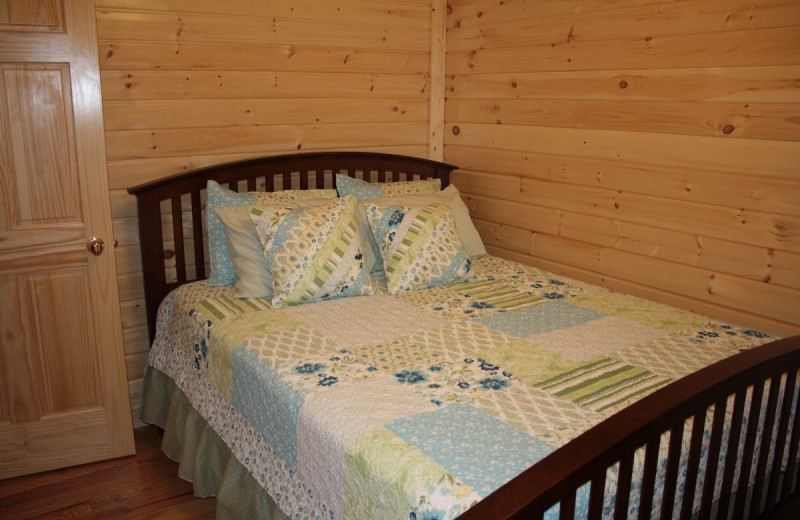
x: 314, y: 253
x: 419, y: 245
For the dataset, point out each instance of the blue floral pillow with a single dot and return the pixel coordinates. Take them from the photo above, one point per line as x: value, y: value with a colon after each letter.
x: 313, y: 253
x: 419, y: 245
x: 362, y: 190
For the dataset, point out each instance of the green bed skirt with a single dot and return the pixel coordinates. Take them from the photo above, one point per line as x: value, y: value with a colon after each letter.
x: 204, y: 460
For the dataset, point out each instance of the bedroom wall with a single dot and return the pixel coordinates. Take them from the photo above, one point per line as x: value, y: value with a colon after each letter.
x: 650, y: 147
x: 189, y: 83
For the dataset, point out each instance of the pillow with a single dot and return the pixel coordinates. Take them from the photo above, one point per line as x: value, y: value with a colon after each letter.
x: 470, y: 239
x: 362, y: 190
x: 314, y: 253
x: 222, y: 272
x: 253, y: 277
x: 419, y: 245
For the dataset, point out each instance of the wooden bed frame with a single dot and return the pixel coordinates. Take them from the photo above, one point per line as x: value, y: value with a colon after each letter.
x: 759, y: 382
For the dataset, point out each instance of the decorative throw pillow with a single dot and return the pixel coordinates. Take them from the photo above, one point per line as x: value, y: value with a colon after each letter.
x: 470, y: 238
x: 313, y: 253
x: 419, y: 245
x: 253, y: 277
x: 222, y: 271
x: 362, y: 190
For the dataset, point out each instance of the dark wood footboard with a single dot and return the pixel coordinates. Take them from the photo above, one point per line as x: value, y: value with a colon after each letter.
x: 760, y: 383
x: 179, y: 200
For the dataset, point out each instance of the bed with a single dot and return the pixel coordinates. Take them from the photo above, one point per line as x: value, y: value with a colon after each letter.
x: 405, y: 373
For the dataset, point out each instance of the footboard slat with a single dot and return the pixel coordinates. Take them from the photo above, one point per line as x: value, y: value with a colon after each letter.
x: 624, y: 487
x: 789, y: 483
x: 649, y: 477
x: 780, y: 441
x: 693, y: 464
x: 567, y: 511
x: 763, y: 453
x: 749, y: 445
x: 710, y: 476
x: 732, y: 453
x: 598, y: 487
x: 673, y: 465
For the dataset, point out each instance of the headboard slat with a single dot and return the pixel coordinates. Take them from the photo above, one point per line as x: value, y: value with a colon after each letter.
x: 177, y: 238
x: 197, y: 235
x: 325, y: 165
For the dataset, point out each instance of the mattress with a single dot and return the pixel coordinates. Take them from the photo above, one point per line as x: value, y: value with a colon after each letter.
x: 420, y: 404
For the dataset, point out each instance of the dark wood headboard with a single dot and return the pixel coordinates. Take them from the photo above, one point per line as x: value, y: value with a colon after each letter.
x: 181, y: 199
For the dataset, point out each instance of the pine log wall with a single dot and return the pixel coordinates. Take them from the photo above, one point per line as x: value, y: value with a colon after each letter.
x: 649, y: 147
x: 189, y: 83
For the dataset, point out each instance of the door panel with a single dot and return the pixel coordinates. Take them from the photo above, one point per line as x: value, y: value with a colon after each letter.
x: 42, y: 177
x: 63, y: 387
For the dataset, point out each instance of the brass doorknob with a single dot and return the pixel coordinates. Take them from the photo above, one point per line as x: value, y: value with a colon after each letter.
x: 95, y: 246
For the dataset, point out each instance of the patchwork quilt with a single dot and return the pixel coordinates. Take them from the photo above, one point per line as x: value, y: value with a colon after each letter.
x: 420, y: 404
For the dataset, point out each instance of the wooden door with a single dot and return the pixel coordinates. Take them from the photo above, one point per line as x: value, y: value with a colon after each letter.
x: 63, y: 387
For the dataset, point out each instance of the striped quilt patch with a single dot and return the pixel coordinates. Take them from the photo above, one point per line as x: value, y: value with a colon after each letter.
x: 220, y: 307
x: 499, y: 296
x: 604, y: 383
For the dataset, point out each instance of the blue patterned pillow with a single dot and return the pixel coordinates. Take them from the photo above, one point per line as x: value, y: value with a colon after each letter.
x: 314, y: 253
x: 419, y: 245
x: 222, y: 271
x: 362, y: 190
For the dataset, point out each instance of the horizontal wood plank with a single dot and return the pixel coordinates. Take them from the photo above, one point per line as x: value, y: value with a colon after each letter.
x: 127, y: 56
x: 755, y: 84
x: 198, y: 113
x: 217, y: 28
x: 763, y: 157
x: 730, y: 49
x: 133, y: 144
x: 733, y: 120
x: 406, y: 12
x: 639, y: 21
x: 133, y: 85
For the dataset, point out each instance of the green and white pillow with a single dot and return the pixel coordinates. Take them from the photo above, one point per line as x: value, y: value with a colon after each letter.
x: 222, y: 267
x: 419, y: 245
x: 313, y: 253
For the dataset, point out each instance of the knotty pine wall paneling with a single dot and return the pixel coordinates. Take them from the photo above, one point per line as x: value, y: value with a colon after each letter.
x: 190, y: 83
x: 651, y: 147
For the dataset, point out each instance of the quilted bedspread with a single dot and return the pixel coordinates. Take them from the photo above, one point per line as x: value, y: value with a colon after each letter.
x: 418, y: 405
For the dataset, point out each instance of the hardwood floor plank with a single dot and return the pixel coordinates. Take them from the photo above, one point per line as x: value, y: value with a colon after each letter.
x: 142, y: 486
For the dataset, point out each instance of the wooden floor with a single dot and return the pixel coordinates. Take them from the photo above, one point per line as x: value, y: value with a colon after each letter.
x: 144, y: 486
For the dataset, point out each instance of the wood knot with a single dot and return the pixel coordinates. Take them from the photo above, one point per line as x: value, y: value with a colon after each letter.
x: 728, y: 129
x: 168, y: 253
x: 456, y: 130
x: 623, y: 84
